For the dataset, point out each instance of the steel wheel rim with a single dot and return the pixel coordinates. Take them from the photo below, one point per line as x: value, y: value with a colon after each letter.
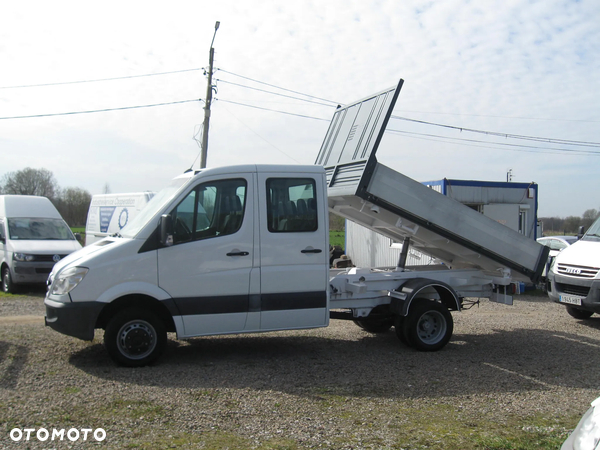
x: 136, y: 339
x: 431, y: 327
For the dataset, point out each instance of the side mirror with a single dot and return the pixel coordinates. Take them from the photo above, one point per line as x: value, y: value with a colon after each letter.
x: 581, y: 232
x: 78, y: 237
x: 166, y: 230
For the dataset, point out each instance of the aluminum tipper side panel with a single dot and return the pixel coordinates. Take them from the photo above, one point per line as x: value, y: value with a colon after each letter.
x: 384, y: 200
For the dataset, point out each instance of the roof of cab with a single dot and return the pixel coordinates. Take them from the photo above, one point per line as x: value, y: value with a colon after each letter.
x: 27, y: 206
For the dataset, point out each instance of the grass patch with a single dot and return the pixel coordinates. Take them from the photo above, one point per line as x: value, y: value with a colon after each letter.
x: 337, y: 238
x: 212, y: 440
x: 133, y: 409
x: 11, y: 296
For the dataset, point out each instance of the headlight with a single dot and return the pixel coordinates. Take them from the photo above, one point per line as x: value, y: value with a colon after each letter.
x: 587, y: 433
x: 66, y: 280
x: 23, y: 257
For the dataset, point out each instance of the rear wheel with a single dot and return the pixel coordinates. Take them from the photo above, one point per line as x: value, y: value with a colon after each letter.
x: 580, y: 314
x: 428, y: 326
x: 135, y: 337
x: 399, y: 327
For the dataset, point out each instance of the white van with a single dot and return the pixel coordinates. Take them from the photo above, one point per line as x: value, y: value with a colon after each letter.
x: 574, y: 275
x: 33, y: 237
x: 109, y: 213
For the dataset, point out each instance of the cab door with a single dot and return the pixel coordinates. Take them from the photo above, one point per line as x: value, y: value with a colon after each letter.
x: 294, y: 257
x: 207, y: 270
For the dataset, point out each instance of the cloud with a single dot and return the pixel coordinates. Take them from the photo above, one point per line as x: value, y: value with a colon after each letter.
x: 499, y: 66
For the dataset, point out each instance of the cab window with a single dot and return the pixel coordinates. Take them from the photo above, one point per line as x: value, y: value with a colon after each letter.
x: 291, y: 205
x: 210, y: 210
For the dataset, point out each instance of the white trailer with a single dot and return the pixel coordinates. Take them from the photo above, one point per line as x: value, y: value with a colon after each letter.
x: 243, y: 249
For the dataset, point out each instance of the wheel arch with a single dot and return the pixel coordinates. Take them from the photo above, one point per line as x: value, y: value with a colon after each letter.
x: 404, y: 296
x: 163, y: 309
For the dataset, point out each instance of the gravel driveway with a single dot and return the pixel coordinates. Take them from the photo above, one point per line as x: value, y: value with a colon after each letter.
x: 524, y: 372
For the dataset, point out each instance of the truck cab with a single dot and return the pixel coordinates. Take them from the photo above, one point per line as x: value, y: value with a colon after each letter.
x: 574, y: 275
x: 225, y: 250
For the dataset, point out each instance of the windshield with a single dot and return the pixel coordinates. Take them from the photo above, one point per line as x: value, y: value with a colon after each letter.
x: 156, y: 204
x: 39, y: 229
x: 593, y: 234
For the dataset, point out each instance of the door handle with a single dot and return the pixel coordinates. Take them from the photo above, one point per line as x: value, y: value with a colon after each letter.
x: 311, y: 250
x: 237, y: 254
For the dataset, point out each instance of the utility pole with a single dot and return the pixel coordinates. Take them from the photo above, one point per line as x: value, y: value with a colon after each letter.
x: 209, y: 88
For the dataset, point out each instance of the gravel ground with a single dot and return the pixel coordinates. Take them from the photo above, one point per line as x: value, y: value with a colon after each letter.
x: 528, y: 367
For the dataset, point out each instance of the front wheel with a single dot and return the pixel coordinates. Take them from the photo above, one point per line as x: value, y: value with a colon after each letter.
x: 428, y: 326
x: 8, y: 287
x: 580, y: 314
x: 135, y: 337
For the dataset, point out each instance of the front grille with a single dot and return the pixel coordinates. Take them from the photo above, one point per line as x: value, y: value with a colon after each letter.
x: 577, y: 271
x: 43, y: 270
x: 571, y: 289
x: 46, y: 258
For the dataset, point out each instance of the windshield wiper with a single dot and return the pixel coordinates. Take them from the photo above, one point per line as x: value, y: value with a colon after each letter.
x: 117, y: 235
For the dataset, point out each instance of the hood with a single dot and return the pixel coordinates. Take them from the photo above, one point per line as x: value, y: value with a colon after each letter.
x: 581, y: 253
x: 83, y: 253
x: 47, y: 247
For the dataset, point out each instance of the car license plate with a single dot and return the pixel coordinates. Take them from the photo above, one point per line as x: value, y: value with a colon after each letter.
x: 570, y: 299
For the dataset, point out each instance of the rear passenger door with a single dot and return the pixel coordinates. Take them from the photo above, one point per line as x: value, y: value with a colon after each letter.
x: 294, y: 251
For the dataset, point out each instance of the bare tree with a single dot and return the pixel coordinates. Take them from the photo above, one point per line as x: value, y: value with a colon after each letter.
x: 588, y: 217
x: 30, y: 182
x: 73, y: 204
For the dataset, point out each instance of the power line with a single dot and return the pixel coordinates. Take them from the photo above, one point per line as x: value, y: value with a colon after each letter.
x: 500, y: 117
x: 535, y: 149
x: 273, y: 93
x: 100, y: 110
x: 278, y: 87
x: 491, y: 133
x: 444, y: 139
x: 273, y: 110
x: 98, y: 80
x: 505, y: 135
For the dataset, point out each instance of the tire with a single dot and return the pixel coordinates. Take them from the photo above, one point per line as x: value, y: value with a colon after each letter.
x: 428, y: 326
x: 374, y: 325
x: 580, y: 314
x: 400, y: 330
x: 135, y: 337
x: 8, y: 287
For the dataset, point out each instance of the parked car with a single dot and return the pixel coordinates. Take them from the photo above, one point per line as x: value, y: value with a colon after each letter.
x: 586, y: 436
x: 33, y: 237
x: 556, y: 244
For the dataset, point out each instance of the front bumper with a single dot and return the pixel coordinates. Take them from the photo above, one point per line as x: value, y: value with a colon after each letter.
x: 30, y: 272
x: 73, y: 319
x: 585, y: 289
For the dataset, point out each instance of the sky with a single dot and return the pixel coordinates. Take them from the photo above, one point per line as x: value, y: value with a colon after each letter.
x: 480, y: 74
